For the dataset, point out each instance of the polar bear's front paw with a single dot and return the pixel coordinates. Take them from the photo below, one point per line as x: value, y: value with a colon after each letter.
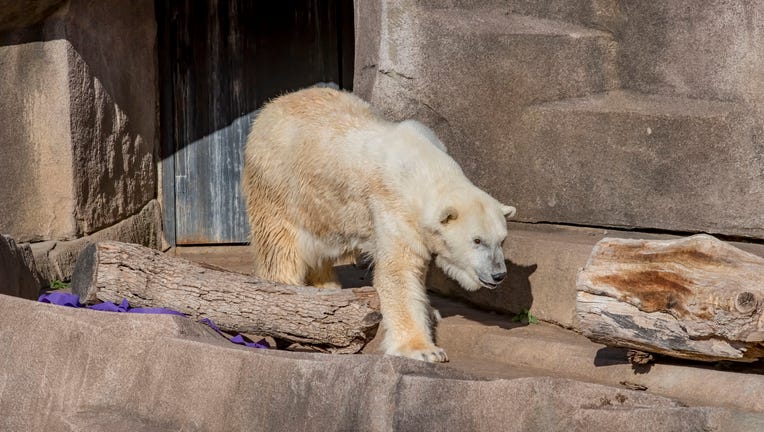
x: 430, y: 354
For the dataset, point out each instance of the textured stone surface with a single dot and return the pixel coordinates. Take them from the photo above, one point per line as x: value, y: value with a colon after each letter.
x: 468, y: 73
x: 80, y: 100
x: 18, y: 275
x: 543, y: 261
x: 526, y: 96
x: 494, y: 346
x: 627, y: 159
x: 17, y: 14
x: 602, y: 14
x: 55, y: 259
x: 170, y: 373
x: 35, y: 142
x: 114, y: 93
x: 678, y: 47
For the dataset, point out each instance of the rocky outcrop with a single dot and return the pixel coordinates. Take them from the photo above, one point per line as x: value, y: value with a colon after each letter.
x: 643, y: 115
x: 79, y: 110
x: 69, y: 369
x: 18, y: 274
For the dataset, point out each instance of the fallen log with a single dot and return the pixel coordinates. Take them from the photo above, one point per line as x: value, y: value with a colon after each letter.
x: 694, y: 298
x: 332, y: 320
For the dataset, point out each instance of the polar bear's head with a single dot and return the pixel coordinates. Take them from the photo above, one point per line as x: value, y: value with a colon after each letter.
x: 467, y: 240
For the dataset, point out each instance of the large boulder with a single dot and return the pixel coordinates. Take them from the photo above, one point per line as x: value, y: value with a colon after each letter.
x: 79, y: 115
x: 644, y: 115
x: 69, y: 369
x: 18, y: 273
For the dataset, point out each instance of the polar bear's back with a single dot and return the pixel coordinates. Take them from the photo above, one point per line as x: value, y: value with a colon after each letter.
x: 303, y: 162
x: 322, y: 135
x: 328, y: 112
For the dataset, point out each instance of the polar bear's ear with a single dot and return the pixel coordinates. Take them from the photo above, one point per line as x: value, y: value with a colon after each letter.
x: 448, y: 214
x: 508, y: 211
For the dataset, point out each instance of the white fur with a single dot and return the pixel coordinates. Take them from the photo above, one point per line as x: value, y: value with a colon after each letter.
x: 324, y: 178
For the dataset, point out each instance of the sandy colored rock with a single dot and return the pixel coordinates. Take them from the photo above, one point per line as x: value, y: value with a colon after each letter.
x: 584, y: 113
x: 36, y: 142
x: 56, y: 259
x: 71, y: 369
x: 79, y: 107
x: 18, y: 273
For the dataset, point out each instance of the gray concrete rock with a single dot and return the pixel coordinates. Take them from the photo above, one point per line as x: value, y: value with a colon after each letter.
x: 526, y: 97
x: 79, y: 107
x: 36, y: 142
x: 71, y: 369
x: 682, y: 48
x: 18, y: 273
x: 627, y: 159
x: 55, y: 259
x: 16, y: 14
x: 494, y: 346
x: 113, y: 85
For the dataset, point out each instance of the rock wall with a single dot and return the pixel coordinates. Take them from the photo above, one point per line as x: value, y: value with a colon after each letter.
x: 78, y: 104
x: 77, y: 369
x: 639, y: 115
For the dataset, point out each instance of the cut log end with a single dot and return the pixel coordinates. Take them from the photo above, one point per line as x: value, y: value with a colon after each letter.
x: 694, y: 298
x: 745, y: 302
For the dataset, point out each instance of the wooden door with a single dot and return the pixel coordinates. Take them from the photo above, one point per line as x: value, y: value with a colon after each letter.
x: 220, y: 61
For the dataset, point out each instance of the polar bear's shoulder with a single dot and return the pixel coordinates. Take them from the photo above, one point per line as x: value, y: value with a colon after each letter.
x: 425, y: 132
x: 324, y: 105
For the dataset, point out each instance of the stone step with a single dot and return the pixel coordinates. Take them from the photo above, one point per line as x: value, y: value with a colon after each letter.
x: 468, y: 73
x: 627, y: 159
x: 60, y: 373
x: 708, y: 50
x: 521, y: 59
x: 593, y: 13
x: 482, y: 342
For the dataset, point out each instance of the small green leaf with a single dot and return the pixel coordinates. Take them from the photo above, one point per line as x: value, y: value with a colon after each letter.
x: 525, y: 316
x: 58, y: 284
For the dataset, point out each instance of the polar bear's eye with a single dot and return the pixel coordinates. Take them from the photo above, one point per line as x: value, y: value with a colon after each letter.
x: 477, y: 241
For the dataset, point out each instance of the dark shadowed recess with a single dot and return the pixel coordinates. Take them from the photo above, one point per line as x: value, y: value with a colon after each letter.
x: 220, y: 61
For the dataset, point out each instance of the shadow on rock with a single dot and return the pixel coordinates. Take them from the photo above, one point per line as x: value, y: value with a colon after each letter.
x: 511, y: 297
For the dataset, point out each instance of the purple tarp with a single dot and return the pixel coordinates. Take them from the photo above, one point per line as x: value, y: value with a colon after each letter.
x: 72, y: 300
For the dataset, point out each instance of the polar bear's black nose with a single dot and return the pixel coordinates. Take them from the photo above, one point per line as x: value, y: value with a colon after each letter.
x: 498, y: 277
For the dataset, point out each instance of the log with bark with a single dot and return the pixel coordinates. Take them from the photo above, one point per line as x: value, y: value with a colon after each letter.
x: 332, y: 320
x: 693, y: 298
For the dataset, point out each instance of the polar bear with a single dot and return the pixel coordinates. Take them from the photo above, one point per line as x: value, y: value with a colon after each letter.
x: 324, y: 178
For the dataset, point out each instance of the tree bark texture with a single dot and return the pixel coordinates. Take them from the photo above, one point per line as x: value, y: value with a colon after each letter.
x: 694, y: 298
x: 334, y: 320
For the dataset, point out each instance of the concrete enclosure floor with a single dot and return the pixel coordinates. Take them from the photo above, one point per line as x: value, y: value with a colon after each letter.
x: 492, y: 345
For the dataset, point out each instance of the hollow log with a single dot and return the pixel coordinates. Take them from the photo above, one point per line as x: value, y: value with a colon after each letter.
x: 694, y: 298
x: 332, y: 320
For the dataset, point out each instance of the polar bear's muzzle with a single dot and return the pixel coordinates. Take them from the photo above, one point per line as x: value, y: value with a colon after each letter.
x: 496, y: 279
x: 493, y: 274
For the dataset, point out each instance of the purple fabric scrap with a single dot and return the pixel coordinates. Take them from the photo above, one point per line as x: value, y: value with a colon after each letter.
x: 73, y: 300
x: 238, y: 339
x: 61, y: 299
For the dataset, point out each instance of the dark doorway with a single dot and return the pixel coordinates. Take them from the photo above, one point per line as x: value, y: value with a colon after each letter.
x: 220, y: 60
